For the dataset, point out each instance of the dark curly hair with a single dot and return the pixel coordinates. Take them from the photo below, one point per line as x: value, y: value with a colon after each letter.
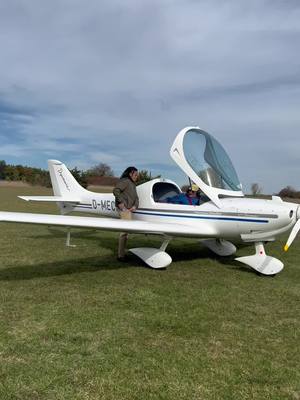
x: 128, y: 171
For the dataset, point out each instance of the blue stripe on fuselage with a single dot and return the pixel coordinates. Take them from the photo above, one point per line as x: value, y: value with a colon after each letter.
x: 261, y: 221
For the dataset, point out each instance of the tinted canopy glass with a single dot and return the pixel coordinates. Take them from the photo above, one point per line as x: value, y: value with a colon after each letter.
x: 209, y: 160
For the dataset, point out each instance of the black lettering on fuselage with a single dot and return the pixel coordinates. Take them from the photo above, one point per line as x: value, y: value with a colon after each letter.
x: 107, y: 205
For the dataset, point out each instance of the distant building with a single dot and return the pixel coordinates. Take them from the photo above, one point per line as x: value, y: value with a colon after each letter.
x: 102, y: 180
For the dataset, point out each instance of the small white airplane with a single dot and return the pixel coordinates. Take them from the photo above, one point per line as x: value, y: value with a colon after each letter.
x: 225, y: 215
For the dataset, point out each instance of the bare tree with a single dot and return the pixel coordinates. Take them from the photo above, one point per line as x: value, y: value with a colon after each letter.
x: 100, y: 169
x: 256, y: 189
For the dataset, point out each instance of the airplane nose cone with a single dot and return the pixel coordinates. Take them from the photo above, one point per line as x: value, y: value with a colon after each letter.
x: 294, y: 212
x: 295, y: 229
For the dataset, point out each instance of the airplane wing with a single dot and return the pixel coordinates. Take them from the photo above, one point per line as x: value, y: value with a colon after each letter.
x: 110, y: 224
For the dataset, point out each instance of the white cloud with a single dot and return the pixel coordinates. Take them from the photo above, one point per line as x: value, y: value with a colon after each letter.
x: 115, y: 81
x: 14, y: 150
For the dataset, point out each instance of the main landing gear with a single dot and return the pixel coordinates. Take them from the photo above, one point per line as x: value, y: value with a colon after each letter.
x: 154, y: 258
x: 220, y: 247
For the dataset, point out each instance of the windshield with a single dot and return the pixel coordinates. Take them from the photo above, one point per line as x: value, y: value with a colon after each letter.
x: 209, y: 160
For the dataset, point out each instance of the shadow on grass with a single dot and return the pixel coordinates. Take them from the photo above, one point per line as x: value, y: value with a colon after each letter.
x: 93, y: 264
x: 187, y: 251
x: 200, y: 252
x: 105, y: 242
x: 65, y: 267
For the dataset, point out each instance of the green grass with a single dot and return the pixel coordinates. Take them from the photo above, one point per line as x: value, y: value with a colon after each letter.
x: 77, y: 324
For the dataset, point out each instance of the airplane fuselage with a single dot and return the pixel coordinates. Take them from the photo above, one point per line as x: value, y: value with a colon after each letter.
x: 244, y: 218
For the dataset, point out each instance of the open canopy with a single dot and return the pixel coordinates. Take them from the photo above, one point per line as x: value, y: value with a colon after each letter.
x: 206, y: 163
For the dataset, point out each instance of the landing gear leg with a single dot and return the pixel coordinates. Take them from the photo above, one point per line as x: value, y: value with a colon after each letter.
x: 164, y: 244
x: 68, y: 240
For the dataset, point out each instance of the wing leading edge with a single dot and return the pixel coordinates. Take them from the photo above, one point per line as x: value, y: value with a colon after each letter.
x: 109, y: 224
x: 51, y: 199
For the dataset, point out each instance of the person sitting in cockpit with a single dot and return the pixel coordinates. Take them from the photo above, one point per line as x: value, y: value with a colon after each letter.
x: 191, y: 197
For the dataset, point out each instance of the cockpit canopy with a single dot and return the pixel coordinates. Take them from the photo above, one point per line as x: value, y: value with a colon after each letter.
x: 206, y: 163
x: 209, y: 160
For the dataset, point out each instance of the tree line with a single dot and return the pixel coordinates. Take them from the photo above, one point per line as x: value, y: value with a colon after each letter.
x: 41, y: 177
x: 34, y: 176
x: 286, y: 192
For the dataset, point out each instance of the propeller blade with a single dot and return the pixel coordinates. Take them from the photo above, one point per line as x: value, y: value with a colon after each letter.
x: 292, y: 236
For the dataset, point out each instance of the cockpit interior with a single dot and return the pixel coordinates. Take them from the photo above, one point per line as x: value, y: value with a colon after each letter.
x: 163, y: 190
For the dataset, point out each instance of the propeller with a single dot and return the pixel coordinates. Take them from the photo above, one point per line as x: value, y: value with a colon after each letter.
x: 294, y: 231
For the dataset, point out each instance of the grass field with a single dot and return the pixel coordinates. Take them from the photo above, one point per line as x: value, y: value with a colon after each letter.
x: 77, y: 324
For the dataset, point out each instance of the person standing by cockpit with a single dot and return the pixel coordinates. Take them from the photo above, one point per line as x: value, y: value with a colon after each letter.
x: 126, y: 201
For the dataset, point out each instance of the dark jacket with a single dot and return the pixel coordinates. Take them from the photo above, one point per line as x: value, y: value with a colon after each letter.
x: 125, y: 192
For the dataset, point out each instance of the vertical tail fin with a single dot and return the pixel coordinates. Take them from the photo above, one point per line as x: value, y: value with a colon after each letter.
x: 63, y: 182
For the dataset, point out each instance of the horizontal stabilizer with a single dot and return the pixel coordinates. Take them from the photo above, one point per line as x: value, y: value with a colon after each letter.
x: 51, y: 198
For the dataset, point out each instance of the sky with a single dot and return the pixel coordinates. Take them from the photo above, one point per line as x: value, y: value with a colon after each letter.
x: 114, y: 81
